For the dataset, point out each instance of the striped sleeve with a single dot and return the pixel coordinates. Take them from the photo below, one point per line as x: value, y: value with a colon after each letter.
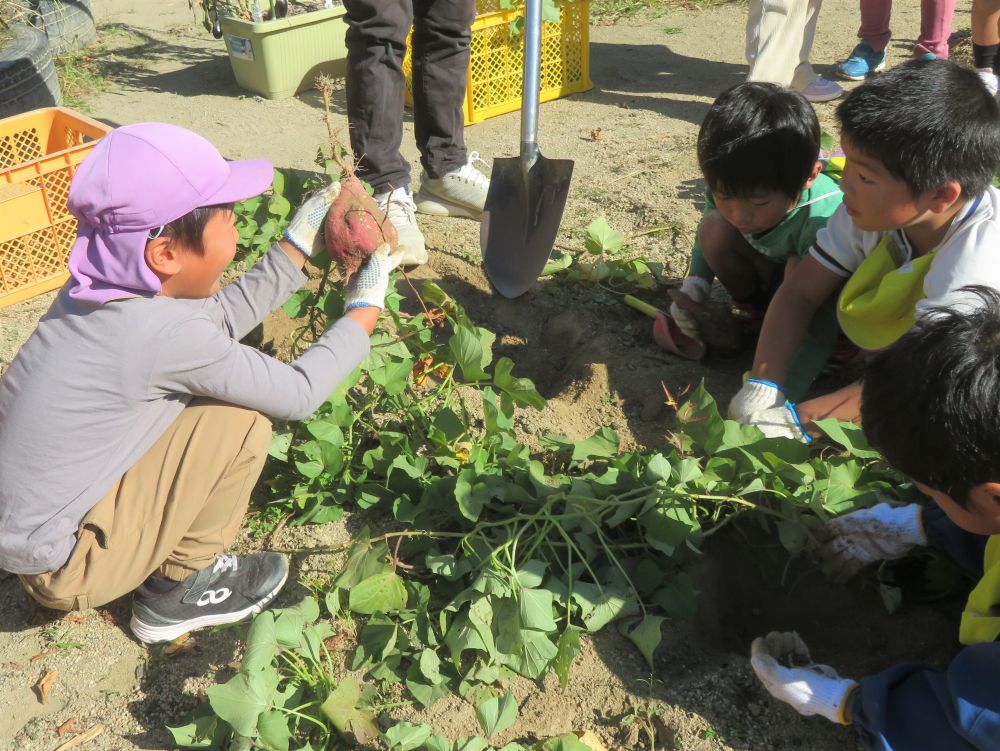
x: 839, y: 246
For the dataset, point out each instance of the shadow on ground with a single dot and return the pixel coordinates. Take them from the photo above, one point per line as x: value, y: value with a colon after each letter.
x: 749, y: 585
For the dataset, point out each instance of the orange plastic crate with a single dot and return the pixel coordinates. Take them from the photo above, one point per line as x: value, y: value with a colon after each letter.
x: 496, y: 64
x: 39, y: 152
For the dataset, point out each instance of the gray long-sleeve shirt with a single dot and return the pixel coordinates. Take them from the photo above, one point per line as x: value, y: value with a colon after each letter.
x: 95, y: 386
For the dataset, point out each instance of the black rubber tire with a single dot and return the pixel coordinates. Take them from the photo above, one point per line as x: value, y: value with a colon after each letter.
x: 27, y: 76
x: 69, y: 24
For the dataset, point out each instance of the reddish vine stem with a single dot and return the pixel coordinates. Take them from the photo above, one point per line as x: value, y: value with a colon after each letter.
x: 420, y: 299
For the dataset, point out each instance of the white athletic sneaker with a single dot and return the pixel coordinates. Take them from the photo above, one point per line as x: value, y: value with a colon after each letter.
x: 402, y: 214
x: 461, y: 192
x: 822, y: 90
x: 989, y: 79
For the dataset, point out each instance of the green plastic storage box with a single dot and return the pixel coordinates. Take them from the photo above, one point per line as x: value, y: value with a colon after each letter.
x: 279, y: 58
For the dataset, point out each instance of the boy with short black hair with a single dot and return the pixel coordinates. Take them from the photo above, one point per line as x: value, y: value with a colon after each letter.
x: 936, y: 423
x: 132, y: 424
x: 767, y: 197
x: 920, y: 220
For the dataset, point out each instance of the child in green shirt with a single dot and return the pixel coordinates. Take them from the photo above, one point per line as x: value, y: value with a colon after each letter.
x: 767, y: 197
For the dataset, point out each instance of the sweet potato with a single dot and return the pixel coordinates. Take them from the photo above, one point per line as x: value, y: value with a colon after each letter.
x: 355, y: 226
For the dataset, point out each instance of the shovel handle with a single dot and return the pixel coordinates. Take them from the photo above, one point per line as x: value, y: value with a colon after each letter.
x: 530, y: 82
x: 642, y: 307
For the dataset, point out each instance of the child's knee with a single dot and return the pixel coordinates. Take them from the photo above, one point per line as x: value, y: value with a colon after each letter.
x: 226, y: 422
x: 38, y: 586
x: 258, y: 437
x: 715, y: 235
x: 975, y: 674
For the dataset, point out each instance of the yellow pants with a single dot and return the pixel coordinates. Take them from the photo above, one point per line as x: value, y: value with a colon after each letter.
x: 171, y: 513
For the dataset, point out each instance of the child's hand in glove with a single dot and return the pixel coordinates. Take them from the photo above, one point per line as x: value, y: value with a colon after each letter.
x: 780, y: 422
x: 880, y: 533
x: 369, y: 284
x: 782, y: 663
x: 756, y: 396
x: 304, y: 231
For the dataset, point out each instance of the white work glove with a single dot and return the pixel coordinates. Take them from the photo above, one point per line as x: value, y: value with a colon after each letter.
x: 369, y: 283
x: 782, y: 663
x: 780, y: 422
x: 756, y: 396
x: 305, y: 229
x: 698, y: 289
x: 880, y: 533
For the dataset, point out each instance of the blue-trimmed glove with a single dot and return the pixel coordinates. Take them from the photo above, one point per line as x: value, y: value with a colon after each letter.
x: 780, y: 422
x: 304, y: 231
x: 782, y: 662
x: 368, y: 285
x: 858, y: 539
x: 756, y: 396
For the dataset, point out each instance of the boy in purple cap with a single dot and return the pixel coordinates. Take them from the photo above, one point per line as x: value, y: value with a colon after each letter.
x: 133, y: 425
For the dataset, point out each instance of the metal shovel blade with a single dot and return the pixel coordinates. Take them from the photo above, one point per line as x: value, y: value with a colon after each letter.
x: 524, y: 207
x: 527, y: 194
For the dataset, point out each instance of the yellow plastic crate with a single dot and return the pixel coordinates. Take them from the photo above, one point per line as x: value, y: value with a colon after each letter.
x: 496, y: 64
x: 39, y: 152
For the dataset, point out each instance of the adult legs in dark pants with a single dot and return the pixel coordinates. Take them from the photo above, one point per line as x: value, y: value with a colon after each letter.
x: 376, y: 45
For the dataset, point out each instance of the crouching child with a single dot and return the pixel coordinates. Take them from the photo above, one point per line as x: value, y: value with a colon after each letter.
x: 920, y: 219
x: 937, y: 424
x: 758, y: 149
x: 133, y: 424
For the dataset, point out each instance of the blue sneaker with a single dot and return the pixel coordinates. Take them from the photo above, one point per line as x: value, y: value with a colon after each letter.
x: 863, y: 60
x: 927, y: 56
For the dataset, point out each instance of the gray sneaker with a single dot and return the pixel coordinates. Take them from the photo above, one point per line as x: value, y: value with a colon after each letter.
x: 822, y: 90
x: 461, y: 192
x: 402, y: 213
x: 230, y: 590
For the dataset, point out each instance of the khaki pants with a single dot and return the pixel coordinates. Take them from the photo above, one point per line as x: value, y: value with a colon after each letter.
x: 170, y: 514
x: 779, y: 39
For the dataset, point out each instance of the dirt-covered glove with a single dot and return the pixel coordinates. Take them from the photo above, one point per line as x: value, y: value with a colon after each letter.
x: 858, y: 539
x: 783, y: 664
x: 369, y: 283
x: 780, y: 422
x: 305, y: 229
x: 698, y: 289
x: 755, y: 396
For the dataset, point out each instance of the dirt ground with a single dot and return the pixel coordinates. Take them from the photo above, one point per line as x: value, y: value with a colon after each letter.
x: 591, y: 357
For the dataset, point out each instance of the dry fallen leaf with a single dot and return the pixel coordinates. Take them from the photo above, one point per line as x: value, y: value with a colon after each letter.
x: 435, y: 318
x: 420, y: 368
x: 590, y: 740
x: 595, y: 134
x: 83, y: 738
x: 43, y: 654
x: 45, y: 684
x: 71, y: 618
x: 181, y: 645
x: 69, y: 726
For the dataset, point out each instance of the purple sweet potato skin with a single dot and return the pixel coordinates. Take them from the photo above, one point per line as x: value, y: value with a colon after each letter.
x: 355, y: 226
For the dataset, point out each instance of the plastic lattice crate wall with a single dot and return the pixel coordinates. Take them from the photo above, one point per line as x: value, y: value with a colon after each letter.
x: 39, y: 152
x: 496, y: 64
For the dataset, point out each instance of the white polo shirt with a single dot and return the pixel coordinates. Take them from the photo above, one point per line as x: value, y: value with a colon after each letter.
x: 969, y: 253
